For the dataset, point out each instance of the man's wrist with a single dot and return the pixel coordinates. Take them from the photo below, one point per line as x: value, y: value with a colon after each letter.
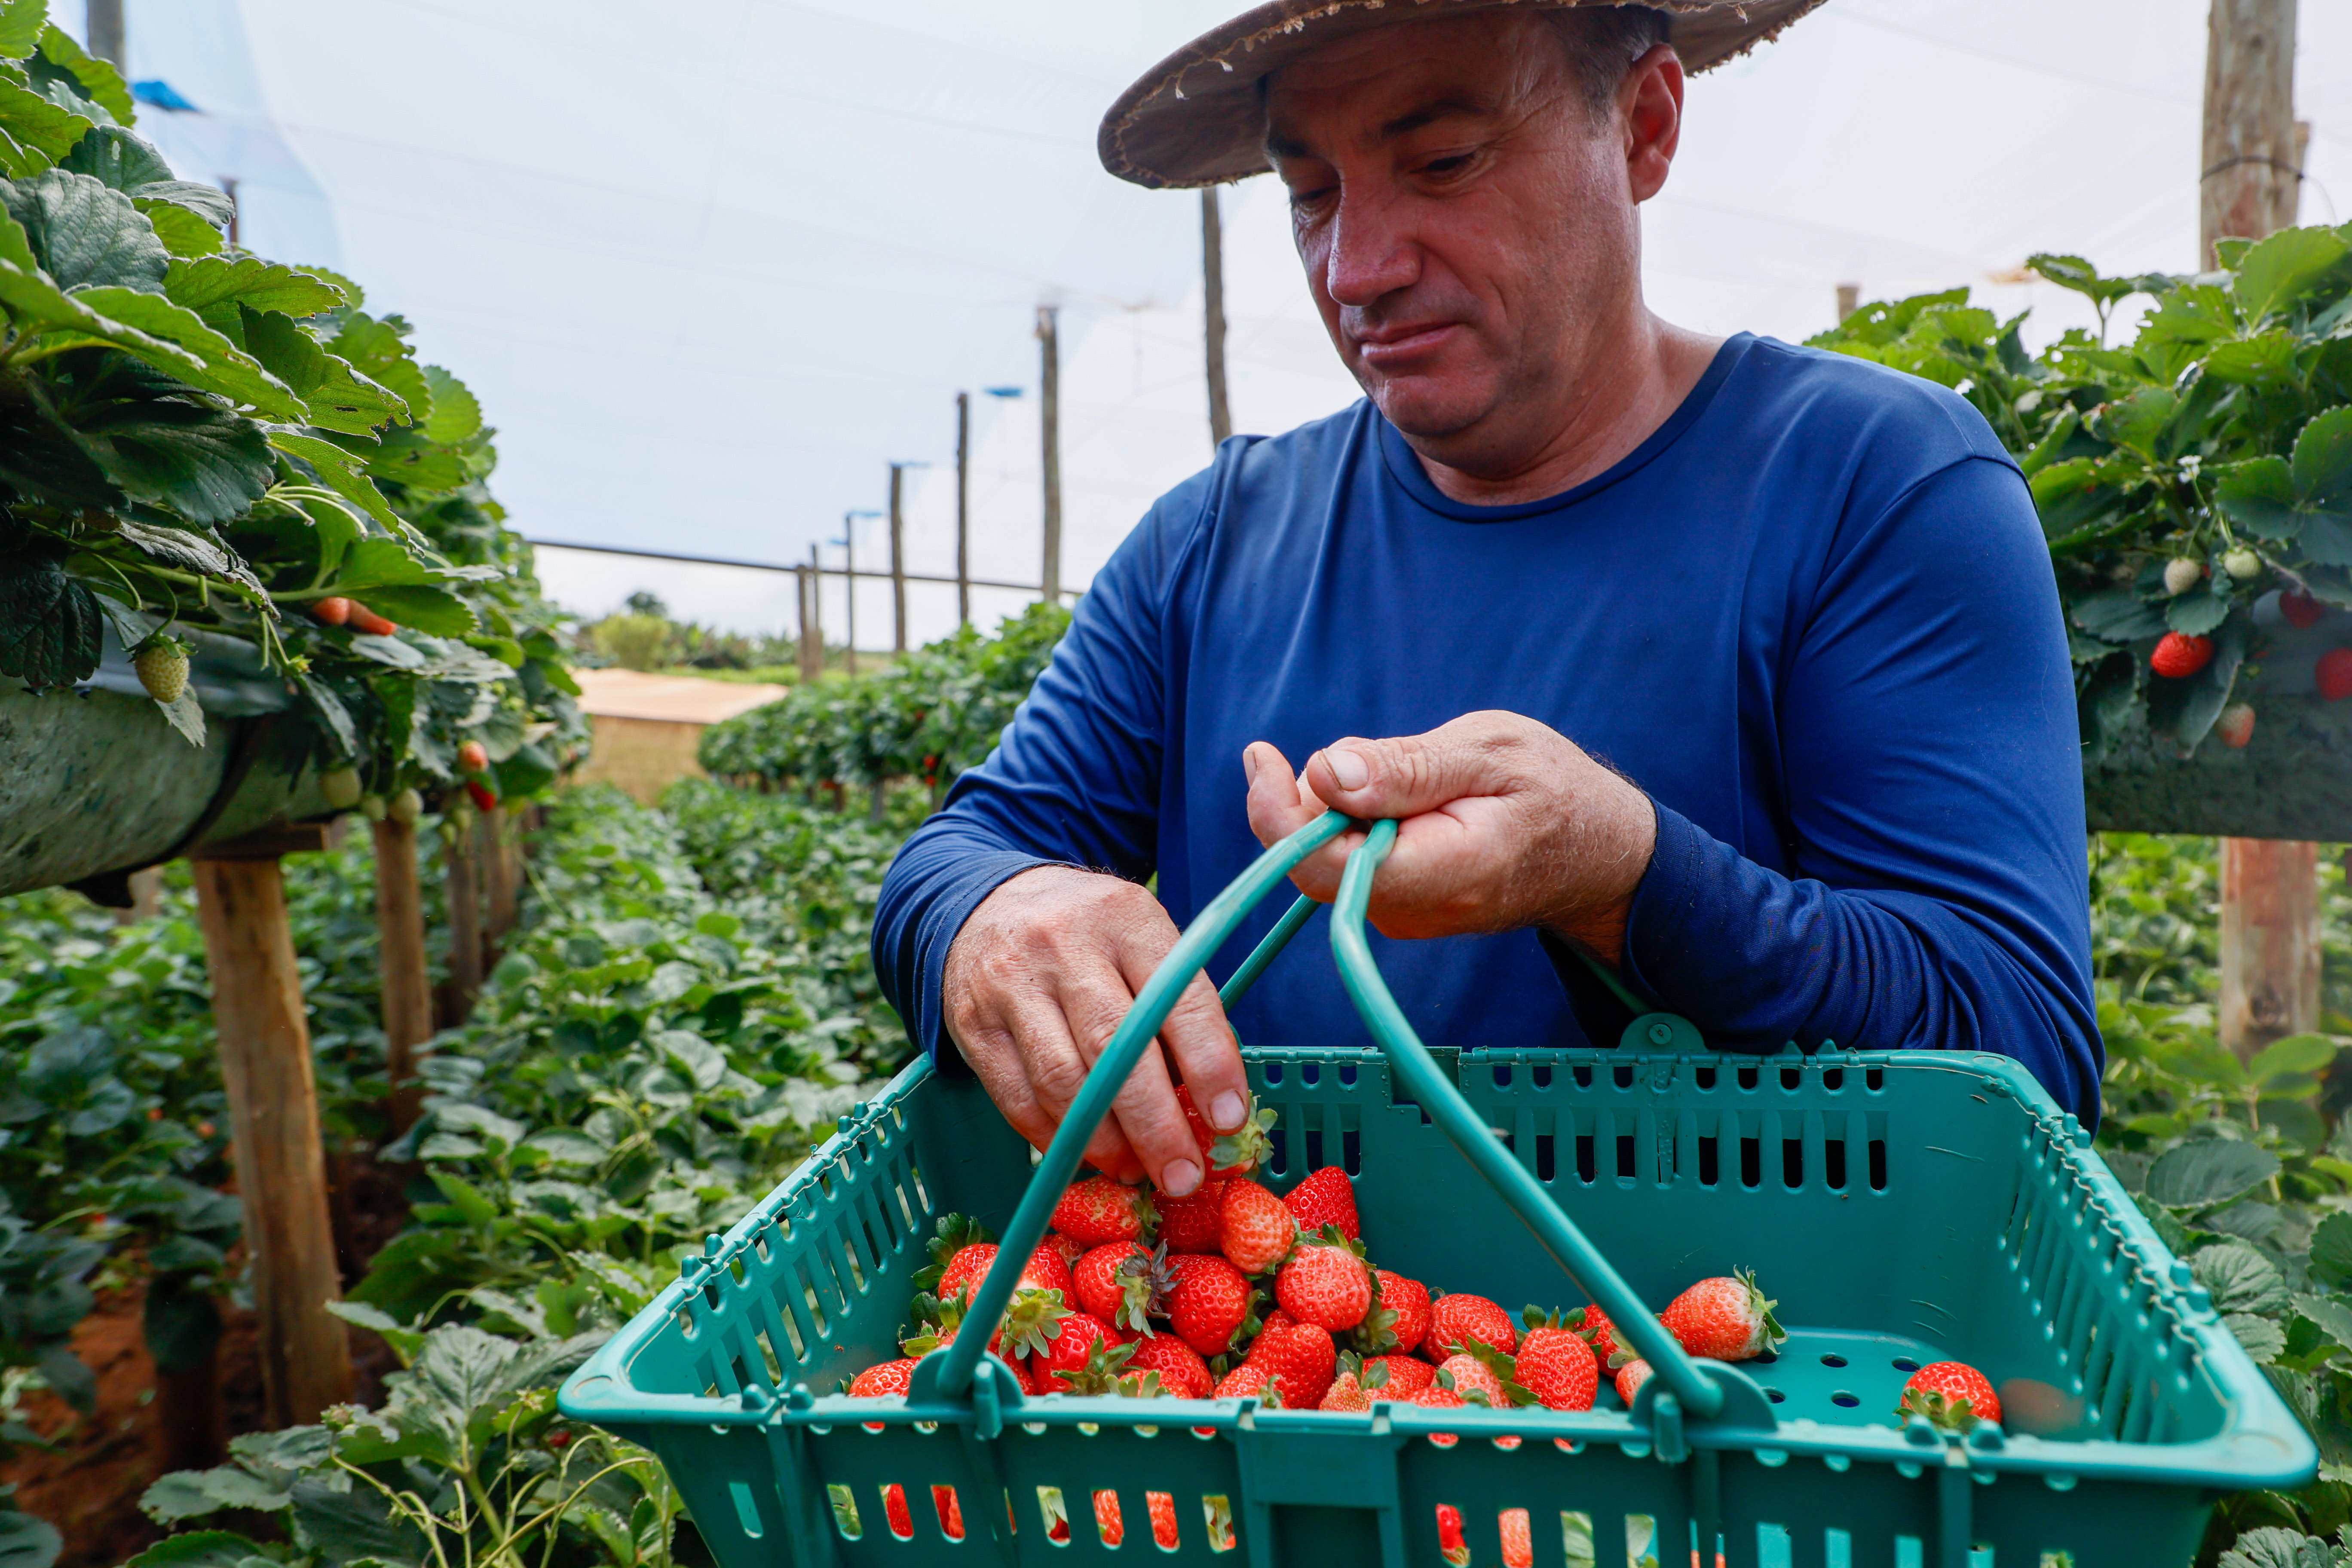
x: 1608, y: 870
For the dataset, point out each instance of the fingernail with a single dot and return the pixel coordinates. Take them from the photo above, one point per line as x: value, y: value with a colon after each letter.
x: 1349, y: 769
x: 1227, y: 1110
x: 1180, y: 1178
x: 1249, y: 764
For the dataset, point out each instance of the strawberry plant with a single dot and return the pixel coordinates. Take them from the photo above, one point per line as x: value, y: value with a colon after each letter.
x: 2195, y: 483
x: 194, y: 438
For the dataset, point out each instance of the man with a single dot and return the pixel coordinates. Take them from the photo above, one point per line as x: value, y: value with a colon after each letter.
x: 1734, y: 666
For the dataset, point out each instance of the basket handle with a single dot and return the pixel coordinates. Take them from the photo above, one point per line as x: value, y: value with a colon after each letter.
x: 1109, y: 1075
x: 1631, y: 1323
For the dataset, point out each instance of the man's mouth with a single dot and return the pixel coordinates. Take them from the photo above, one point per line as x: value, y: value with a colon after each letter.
x: 1388, y: 347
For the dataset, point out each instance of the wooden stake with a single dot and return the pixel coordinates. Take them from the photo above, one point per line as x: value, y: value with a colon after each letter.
x: 811, y: 626
x: 898, y: 558
x: 2249, y: 185
x: 1212, y: 296
x: 265, y: 1047
x: 495, y: 844
x: 407, y: 987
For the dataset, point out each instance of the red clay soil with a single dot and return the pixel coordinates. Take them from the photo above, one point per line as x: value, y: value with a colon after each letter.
x: 91, y: 1485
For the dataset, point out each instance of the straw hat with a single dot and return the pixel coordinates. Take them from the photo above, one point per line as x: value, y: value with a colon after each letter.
x: 1195, y: 118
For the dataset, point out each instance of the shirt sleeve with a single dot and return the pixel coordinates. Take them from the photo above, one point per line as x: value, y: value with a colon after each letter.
x: 1932, y: 776
x: 1075, y: 780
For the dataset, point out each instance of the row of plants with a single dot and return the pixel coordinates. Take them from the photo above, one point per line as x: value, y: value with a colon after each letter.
x: 931, y: 715
x: 643, y: 634
x: 2195, y: 484
x: 195, y: 439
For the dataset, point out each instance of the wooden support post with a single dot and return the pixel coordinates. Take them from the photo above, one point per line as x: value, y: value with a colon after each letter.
x: 265, y: 1047
x: 407, y: 987
x: 1049, y: 340
x: 963, y: 509
x: 1213, y: 297
x: 496, y: 846
x: 463, y: 891
x: 898, y: 558
x: 812, y: 623
x: 2251, y: 181
x: 1849, y: 300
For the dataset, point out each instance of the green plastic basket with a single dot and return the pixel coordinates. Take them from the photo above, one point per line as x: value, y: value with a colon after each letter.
x: 1903, y: 1207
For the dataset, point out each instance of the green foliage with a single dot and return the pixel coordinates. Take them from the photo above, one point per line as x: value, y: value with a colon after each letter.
x: 2220, y: 434
x: 642, y: 636
x: 930, y: 716
x: 191, y: 435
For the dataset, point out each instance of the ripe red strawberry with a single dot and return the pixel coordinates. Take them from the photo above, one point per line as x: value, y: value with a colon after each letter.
x: 1598, y: 1331
x: 1067, y: 1250
x: 1325, y: 1285
x: 485, y: 797
x: 1248, y: 1382
x: 1450, y: 1544
x: 1951, y: 1394
x: 1345, y: 1393
x: 1256, y: 1232
x: 951, y: 1511
x: 1105, y: 1288
x: 1229, y: 1153
x: 162, y: 663
x: 1068, y: 1343
x: 1098, y: 1210
x: 1108, y: 1523
x: 2178, y: 656
x: 1471, y: 1377
x: 1453, y: 1319
x: 332, y: 612
x: 1303, y: 1361
x: 473, y: 756
x: 367, y: 621
x: 894, y: 1505
x: 1398, y: 1320
x: 1182, y: 1371
x: 1407, y: 1375
x: 2301, y: 609
x: 1518, y: 1544
x: 1557, y: 1368
x: 1630, y: 1379
x: 969, y: 1266
x: 1277, y: 1319
x: 1192, y: 1223
x: 2333, y: 674
x: 1435, y: 1397
x: 1208, y: 1303
x: 887, y: 1380
x: 1163, y: 1519
x: 2236, y: 725
x: 1726, y: 1318
x: 1325, y: 1198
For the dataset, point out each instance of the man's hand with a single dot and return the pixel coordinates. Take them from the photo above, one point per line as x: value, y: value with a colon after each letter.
x: 1034, y: 984
x: 1505, y: 824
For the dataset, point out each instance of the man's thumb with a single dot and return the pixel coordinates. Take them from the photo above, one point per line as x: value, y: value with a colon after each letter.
x: 1400, y: 777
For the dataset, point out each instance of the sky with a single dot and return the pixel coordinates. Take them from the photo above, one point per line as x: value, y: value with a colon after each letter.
x: 712, y: 266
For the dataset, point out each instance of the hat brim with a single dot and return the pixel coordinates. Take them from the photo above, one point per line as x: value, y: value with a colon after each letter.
x: 1194, y: 118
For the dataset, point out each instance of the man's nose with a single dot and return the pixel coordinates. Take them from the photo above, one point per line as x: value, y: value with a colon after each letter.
x: 1372, y: 252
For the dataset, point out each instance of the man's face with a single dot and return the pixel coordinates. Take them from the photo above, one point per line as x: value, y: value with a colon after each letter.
x: 1466, y: 220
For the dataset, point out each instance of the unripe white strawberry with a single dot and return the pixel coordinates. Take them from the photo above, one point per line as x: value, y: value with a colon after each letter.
x: 2182, y: 574
x: 374, y: 807
x: 2236, y: 725
x: 2242, y: 564
x: 406, y: 807
x: 341, y: 786
x: 163, y: 666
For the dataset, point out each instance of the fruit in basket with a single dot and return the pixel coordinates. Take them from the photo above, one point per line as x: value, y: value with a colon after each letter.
x: 1192, y: 1223
x: 1598, y: 1332
x: 1358, y: 1384
x: 1403, y: 1375
x: 1063, y: 1347
x: 1230, y: 1154
x: 1450, y: 1544
x: 889, y: 1381
x: 1122, y: 1284
x: 1324, y: 1197
x: 1438, y: 1397
x: 1098, y: 1210
x: 1398, y: 1319
x: 1062, y: 1247
x: 969, y: 1264
x: 1208, y: 1303
x: 1108, y: 1371
x: 1629, y: 1378
x: 1256, y: 1232
x: 1163, y: 1519
x: 1475, y: 1381
x: 1182, y: 1371
x: 1519, y: 1539
x: 1557, y: 1366
x: 1951, y: 1394
x: 1454, y: 1321
x: 1303, y: 1361
x: 894, y: 1506
x: 1325, y: 1283
x: 1249, y: 1382
x: 1724, y: 1319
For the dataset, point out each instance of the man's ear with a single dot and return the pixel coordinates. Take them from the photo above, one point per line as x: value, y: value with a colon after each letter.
x: 1650, y: 108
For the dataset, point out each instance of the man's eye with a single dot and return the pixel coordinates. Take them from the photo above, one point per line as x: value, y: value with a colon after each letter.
x: 1452, y: 163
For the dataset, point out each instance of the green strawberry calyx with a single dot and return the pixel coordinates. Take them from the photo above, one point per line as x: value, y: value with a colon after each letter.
x: 1033, y: 1321
x: 1245, y: 1145
x: 1144, y: 1283
x: 1769, y: 1333
x: 1946, y: 1412
x: 1505, y: 1369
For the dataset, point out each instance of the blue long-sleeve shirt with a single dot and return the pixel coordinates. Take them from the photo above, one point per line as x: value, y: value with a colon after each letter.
x: 1812, y: 617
